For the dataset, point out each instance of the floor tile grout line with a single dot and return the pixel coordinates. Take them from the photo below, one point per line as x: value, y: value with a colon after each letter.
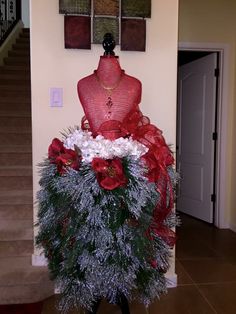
x: 215, y: 282
x: 196, y: 286
x: 187, y: 272
x: 205, y: 298
x: 222, y: 257
x: 204, y: 283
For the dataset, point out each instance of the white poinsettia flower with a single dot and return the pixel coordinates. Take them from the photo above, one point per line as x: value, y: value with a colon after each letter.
x: 103, y: 148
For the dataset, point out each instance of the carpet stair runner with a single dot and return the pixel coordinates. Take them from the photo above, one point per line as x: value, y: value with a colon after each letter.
x: 20, y: 282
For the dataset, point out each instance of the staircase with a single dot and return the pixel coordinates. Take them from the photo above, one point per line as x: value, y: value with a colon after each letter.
x: 20, y: 282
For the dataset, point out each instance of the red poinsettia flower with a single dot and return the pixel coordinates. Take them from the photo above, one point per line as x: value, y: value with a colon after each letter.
x: 62, y: 156
x: 69, y: 159
x: 110, y: 173
x: 55, y: 149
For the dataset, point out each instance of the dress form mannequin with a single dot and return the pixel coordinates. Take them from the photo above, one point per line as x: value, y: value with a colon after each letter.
x: 108, y: 95
x: 112, y: 235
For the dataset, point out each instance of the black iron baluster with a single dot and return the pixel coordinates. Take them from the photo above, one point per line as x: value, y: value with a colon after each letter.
x: 10, y: 14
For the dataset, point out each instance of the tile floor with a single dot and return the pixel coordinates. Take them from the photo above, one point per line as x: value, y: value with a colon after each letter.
x: 206, y: 268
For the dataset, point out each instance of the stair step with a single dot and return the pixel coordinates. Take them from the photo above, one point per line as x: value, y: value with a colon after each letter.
x: 24, y: 171
x: 16, y: 171
x: 16, y: 149
x: 11, y: 230
x: 26, y: 30
x: 14, y: 75
x: 26, y: 285
x: 15, y: 124
x: 15, y: 88
x: 19, y: 68
x: 14, y: 93
x: 15, y: 121
x: 16, y: 248
x: 13, y: 159
x: 15, y: 182
x: 21, y: 46
x: 14, y: 81
x: 15, y: 72
x: 20, y: 99
x: 13, y: 225
x: 16, y: 197
x: 15, y: 110
x: 19, y: 53
x: 11, y: 93
x: 16, y: 211
x: 6, y: 132
x: 23, y: 40
x: 24, y: 34
x: 17, y: 61
x: 26, y: 129
x: 22, y: 113
x: 21, y: 275
x: 13, y: 262
x: 15, y: 69
x: 16, y: 138
x: 17, y: 57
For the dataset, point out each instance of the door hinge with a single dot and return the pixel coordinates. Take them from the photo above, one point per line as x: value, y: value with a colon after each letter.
x: 214, y: 136
x: 213, y: 198
x: 217, y: 72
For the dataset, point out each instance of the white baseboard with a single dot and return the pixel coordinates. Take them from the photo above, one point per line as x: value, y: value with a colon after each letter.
x: 39, y: 260
x: 56, y: 289
x: 171, y: 281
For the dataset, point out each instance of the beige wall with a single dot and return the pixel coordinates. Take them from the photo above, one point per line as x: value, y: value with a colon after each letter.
x: 54, y: 66
x: 214, y: 21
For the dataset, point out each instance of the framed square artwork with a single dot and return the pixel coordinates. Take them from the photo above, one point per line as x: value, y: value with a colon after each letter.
x: 133, y: 34
x: 106, y: 7
x: 136, y: 8
x: 103, y: 25
x: 75, y: 7
x: 77, y: 32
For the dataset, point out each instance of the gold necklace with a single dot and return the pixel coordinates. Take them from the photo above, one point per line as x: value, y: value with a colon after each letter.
x: 109, y: 90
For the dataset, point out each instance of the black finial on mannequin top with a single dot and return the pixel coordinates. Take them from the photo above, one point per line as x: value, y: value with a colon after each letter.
x: 109, y: 44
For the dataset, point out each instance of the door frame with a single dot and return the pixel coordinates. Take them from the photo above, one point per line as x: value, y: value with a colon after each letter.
x: 221, y: 182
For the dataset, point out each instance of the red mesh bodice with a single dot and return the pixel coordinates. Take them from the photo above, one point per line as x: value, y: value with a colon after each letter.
x: 107, y: 97
x: 94, y: 101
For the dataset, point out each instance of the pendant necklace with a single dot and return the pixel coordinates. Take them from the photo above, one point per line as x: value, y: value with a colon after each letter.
x: 109, y: 90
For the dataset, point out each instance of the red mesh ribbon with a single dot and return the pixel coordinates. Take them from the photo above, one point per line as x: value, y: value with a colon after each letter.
x: 157, y: 159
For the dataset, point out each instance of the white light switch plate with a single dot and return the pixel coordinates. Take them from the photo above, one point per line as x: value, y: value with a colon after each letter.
x: 56, y: 97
